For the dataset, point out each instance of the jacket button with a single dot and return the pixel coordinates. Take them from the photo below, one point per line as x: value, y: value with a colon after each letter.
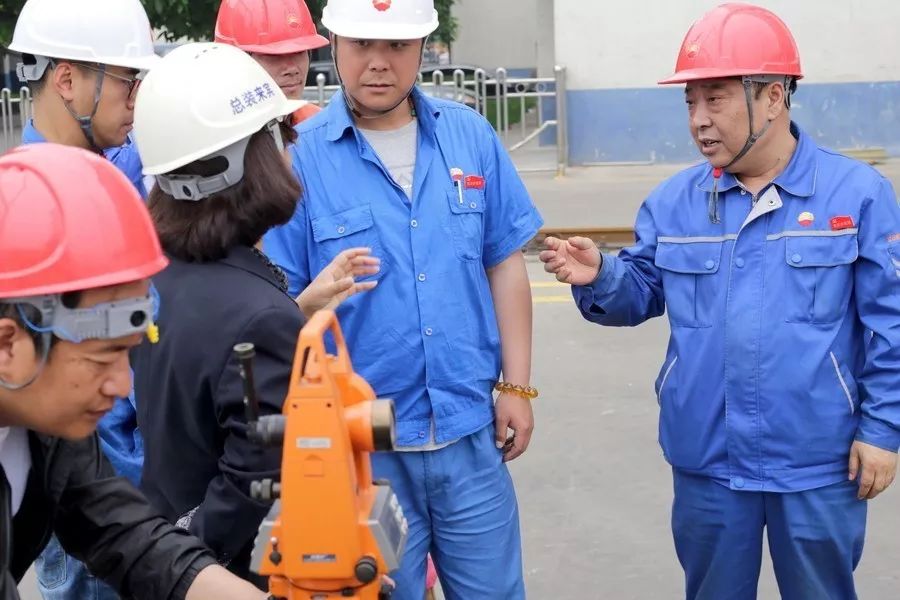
x: 739, y: 263
x: 796, y: 259
x: 428, y: 331
x: 414, y: 223
x: 341, y: 229
x: 422, y: 277
x: 738, y: 482
x: 710, y: 265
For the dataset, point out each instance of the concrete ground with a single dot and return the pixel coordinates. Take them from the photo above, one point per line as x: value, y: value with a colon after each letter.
x: 594, y: 491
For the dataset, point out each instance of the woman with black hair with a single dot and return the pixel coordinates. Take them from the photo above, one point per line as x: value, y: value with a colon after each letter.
x: 222, y: 182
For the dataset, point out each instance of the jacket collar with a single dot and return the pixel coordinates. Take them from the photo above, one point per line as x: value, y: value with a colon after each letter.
x: 246, y: 259
x: 797, y: 179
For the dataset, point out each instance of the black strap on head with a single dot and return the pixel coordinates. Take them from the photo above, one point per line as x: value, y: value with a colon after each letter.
x: 86, y: 122
x: 747, y: 81
x: 790, y: 85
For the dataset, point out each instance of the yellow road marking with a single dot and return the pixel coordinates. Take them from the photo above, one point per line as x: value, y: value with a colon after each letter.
x: 548, y: 284
x: 551, y: 299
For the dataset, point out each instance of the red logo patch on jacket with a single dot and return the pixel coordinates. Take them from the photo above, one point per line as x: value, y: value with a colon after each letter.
x: 474, y: 182
x: 842, y: 222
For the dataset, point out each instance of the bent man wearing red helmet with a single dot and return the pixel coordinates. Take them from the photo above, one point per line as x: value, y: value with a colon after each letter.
x: 279, y: 34
x: 779, y: 264
x: 74, y: 298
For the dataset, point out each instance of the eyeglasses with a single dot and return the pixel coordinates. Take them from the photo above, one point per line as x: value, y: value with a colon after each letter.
x: 131, y: 82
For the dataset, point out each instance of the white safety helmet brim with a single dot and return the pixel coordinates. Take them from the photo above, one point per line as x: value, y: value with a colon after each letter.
x: 143, y: 63
x: 288, y: 107
x: 109, y: 32
x: 201, y: 98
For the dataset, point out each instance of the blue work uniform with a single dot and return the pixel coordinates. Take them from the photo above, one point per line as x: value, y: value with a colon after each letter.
x: 427, y: 336
x: 59, y: 576
x: 784, y: 349
x: 128, y: 160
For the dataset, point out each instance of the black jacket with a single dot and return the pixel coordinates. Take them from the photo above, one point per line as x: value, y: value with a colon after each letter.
x: 100, y: 519
x: 198, y: 463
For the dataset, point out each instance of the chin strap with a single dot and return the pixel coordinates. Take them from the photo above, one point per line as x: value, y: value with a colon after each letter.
x: 86, y: 121
x: 747, y: 81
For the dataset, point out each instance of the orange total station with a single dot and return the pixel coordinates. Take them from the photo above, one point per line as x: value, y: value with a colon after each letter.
x: 332, y: 532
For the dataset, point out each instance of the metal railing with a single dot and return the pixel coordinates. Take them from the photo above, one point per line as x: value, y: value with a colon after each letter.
x: 509, y: 94
x: 495, y: 96
x: 540, y: 91
x: 15, y: 111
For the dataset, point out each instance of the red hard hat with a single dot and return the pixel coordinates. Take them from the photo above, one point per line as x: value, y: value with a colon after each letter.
x: 734, y: 40
x: 267, y: 26
x: 70, y: 221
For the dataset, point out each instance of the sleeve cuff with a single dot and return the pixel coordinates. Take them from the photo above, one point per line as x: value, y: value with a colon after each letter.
x: 878, y: 433
x: 187, y: 579
x: 585, y: 294
x: 606, y: 276
x: 516, y: 240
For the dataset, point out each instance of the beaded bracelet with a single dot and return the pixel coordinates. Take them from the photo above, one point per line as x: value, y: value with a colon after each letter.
x: 523, y: 391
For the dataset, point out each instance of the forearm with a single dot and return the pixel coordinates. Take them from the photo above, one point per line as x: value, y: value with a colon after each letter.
x: 216, y: 582
x: 511, y: 293
x: 107, y: 523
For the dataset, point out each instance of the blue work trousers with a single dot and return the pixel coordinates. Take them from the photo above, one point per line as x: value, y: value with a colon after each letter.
x: 815, y: 539
x: 461, y: 506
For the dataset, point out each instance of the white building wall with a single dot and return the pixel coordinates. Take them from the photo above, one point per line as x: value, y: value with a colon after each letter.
x: 612, y: 44
x: 546, y: 32
x: 497, y: 33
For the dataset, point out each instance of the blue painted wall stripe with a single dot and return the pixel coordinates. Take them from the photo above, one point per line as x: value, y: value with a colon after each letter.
x: 651, y: 123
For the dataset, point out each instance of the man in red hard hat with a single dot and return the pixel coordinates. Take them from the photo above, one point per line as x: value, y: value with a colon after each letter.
x: 78, y: 252
x: 279, y: 34
x: 778, y: 263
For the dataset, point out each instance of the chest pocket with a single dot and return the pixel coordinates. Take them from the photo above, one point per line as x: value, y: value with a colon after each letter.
x: 819, y: 278
x: 688, y: 274
x: 352, y: 228
x: 465, y: 223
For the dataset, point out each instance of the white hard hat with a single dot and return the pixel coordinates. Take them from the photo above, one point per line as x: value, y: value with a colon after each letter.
x: 380, y: 19
x: 201, y: 101
x: 109, y: 32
